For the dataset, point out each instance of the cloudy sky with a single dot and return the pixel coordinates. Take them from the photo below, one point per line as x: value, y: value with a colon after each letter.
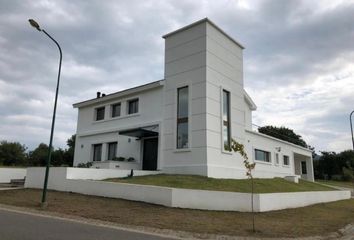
x: 299, y: 60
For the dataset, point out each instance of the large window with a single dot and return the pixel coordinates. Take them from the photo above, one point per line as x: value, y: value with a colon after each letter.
x: 99, y: 113
x: 261, y: 155
x: 112, y: 150
x: 226, y: 119
x: 303, y: 167
x: 182, y: 117
x: 286, y: 161
x: 115, y: 110
x: 133, y: 106
x: 97, y: 152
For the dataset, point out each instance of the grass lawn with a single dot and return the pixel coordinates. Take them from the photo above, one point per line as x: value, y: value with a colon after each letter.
x: 337, y: 183
x: 308, y: 221
x: 230, y: 185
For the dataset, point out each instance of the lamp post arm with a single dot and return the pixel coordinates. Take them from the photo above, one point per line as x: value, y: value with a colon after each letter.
x: 351, y: 127
x: 53, y: 123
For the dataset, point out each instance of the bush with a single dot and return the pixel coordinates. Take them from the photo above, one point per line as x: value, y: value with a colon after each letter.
x: 348, y: 174
x: 85, y: 165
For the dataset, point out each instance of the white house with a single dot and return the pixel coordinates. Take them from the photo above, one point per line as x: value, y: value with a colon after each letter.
x: 182, y: 123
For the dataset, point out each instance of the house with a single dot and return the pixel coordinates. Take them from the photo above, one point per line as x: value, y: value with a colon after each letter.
x: 184, y: 123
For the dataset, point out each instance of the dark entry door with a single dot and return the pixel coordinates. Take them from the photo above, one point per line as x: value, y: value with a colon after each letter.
x: 150, y: 154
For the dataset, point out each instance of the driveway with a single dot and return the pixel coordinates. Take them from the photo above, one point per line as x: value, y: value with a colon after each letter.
x: 21, y: 226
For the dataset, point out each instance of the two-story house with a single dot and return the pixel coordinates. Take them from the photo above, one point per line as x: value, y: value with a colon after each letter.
x: 184, y: 123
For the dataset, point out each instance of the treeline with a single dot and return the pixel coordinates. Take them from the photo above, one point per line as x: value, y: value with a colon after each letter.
x: 335, y: 166
x: 16, y: 154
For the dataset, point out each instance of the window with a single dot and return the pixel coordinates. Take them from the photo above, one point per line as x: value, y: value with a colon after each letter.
x: 277, y: 158
x: 112, y: 150
x: 133, y: 106
x: 262, y: 155
x: 286, y: 160
x: 100, y: 113
x: 226, y: 119
x: 182, y: 117
x: 115, y: 110
x: 303, y: 167
x: 97, y: 152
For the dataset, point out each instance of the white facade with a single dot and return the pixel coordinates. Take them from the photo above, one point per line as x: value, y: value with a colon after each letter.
x: 202, y: 95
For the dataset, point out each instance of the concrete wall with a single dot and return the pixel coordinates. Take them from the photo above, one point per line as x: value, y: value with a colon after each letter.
x: 6, y: 174
x: 67, y: 179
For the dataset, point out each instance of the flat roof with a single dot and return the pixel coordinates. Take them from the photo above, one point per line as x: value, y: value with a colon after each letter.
x: 202, y: 21
x: 118, y: 94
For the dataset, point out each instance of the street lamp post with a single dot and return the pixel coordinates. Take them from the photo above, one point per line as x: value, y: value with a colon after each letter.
x: 351, y: 127
x: 44, y: 194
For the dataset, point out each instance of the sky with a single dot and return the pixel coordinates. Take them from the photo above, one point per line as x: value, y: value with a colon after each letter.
x: 298, y: 61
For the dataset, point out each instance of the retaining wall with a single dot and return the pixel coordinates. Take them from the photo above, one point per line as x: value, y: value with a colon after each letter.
x: 6, y: 174
x: 76, y: 180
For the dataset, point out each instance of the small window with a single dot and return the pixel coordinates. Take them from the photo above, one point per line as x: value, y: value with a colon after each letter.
x: 286, y: 161
x: 226, y: 119
x: 112, y: 150
x: 303, y: 167
x: 133, y: 106
x: 182, y: 117
x: 100, y: 113
x: 115, y: 110
x: 97, y: 152
x: 277, y: 158
x: 261, y: 155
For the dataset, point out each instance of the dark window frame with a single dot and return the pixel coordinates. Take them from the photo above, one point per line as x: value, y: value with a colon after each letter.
x: 226, y: 123
x: 136, y: 106
x: 96, y: 157
x: 113, y: 110
x: 182, y: 120
x: 303, y: 167
x: 287, y: 159
x: 266, y: 154
x: 109, y: 157
x: 97, y: 115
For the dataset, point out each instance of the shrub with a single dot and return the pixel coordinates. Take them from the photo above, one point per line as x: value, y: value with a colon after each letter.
x: 85, y: 165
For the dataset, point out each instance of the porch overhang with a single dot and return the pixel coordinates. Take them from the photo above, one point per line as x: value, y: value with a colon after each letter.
x: 139, y: 133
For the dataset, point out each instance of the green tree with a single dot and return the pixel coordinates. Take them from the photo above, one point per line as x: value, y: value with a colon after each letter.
x: 283, y: 133
x: 39, y: 156
x: 68, y: 157
x: 12, y: 153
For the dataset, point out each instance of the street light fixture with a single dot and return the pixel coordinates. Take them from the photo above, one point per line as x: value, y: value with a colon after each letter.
x: 351, y: 127
x: 45, y: 185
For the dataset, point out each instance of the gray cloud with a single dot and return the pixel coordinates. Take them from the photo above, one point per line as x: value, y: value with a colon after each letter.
x: 298, y: 59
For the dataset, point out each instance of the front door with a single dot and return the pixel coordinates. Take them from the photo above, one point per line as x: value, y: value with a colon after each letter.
x: 150, y: 154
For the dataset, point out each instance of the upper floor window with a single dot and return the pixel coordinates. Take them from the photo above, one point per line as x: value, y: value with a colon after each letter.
x: 133, y: 106
x: 116, y: 110
x: 261, y: 155
x: 100, y: 113
x: 182, y: 117
x: 97, y: 152
x: 286, y: 161
x: 226, y: 119
x: 112, y: 150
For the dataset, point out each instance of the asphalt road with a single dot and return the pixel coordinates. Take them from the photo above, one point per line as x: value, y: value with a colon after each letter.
x: 21, y: 226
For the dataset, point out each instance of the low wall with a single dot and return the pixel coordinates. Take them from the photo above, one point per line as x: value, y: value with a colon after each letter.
x: 66, y: 179
x: 6, y: 174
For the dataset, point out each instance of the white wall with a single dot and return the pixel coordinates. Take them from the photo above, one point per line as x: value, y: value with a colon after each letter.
x: 6, y: 174
x: 91, y: 132
x: 71, y: 180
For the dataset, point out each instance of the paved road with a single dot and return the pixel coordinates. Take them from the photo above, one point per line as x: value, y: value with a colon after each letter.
x: 21, y: 226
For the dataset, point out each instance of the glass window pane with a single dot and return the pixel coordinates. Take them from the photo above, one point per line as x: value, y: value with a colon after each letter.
x: 133, y: 106
x: 262, y: 155
x: 182, y: 102
x: 226, y: 119
x: 112, y: 149
x: 97, y: 152
x: 99, y: 113
x: 116, y: 110
x: 303, y: 168
x: 286, y: 160
x: 182, y: 135
x: 225, y: 106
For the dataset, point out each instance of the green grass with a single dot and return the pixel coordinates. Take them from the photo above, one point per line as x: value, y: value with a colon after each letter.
x: 229, y: 185
x: 337, y: 183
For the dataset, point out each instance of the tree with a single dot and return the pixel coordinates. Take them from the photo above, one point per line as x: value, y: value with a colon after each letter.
x: 68, y: 157
x: 39, y: 156
x: 12, y: 153
x: 238, y: 147
x: 283, y: 133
